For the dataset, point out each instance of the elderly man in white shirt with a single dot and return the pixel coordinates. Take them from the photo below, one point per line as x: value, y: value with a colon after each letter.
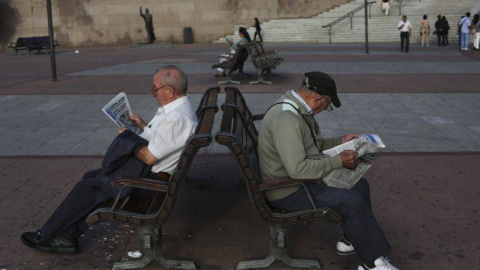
x: 170, y: 128
x: 405, y: 33
x: 167, y: 133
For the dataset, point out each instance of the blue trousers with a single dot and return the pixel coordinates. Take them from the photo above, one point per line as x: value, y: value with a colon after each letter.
x: 465, y: 38
x: 359, y: 226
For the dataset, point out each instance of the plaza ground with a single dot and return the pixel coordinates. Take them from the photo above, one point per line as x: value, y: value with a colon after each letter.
x: 425, y: 187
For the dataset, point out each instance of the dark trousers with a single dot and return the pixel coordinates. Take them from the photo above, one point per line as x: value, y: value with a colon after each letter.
x: 69, y: 218
x: 259, y: 35
x: 405, y: 38
x: 445, y: 35
x: 441, y: 38
x: 360, y: 226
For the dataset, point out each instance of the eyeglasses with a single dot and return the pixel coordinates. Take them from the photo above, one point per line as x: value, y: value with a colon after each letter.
x: 155, y: 89
x: 330, y: 107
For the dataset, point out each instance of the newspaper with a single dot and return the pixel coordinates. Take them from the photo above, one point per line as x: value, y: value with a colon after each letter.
x: 118, y: 109
x: 368, y: 147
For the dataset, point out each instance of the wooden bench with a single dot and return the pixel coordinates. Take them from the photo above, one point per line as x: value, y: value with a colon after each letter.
x: 149, y: 214
x: 262, y: 61
x: 32, y: 43
x: 239, y: 58
x: 238, y: 132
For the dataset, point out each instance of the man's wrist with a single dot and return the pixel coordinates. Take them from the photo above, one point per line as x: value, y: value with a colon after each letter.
x: 142, y: 125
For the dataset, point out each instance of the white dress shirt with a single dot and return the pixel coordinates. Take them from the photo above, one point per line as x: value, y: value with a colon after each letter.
x: 168, y: 132
x: 406, y: 26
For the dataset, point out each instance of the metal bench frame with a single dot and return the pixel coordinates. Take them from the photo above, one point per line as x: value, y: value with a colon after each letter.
x: 239, y: 134
x: 32, y: 43
x: 262, y: 61
x: 155, y: 211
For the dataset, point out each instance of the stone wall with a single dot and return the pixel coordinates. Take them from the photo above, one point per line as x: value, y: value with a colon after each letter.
x: 85, y: 23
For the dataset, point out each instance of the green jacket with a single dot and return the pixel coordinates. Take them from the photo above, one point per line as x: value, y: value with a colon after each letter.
x: 286, y: 147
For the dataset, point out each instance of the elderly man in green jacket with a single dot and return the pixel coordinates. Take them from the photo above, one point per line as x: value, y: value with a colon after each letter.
x: 290, y: 145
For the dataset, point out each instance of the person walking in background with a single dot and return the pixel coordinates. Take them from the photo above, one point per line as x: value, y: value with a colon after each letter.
x: 464, y: 27
x: 458, y: 32
x: 439, y: 28
x: 258, y: 29
x: 385, y: 4
x: 425, y: 30
x: 476, y: 32
x: 405, y: 33
x: 446, y: 28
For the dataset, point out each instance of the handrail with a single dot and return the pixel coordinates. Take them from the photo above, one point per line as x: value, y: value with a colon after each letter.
x: 348, y: 15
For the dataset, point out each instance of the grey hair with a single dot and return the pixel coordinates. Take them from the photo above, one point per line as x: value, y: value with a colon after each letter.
x: 173, y: 76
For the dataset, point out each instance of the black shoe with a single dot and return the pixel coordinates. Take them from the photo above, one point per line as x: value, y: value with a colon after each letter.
x: 57, y: 244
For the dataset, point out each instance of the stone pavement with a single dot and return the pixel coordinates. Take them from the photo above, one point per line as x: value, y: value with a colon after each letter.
x: 424, y: 188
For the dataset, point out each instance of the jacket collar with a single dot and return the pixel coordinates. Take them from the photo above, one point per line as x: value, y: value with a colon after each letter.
x: 301, y: 105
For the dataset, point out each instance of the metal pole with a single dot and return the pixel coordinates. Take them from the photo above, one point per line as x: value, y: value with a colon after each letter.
x: 53, y: 66
x: 366, y: 26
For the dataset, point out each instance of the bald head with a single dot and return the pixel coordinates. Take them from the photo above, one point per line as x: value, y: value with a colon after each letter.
x: 174, y: 77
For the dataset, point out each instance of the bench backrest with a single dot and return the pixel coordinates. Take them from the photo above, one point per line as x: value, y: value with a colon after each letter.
x: 238, y: 132
x: 156, y: 208
x: 262, y: 59
x: 36, y: 43
x: 255, y: 48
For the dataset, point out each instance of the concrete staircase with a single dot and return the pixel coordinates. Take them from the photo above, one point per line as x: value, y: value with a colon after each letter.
x: 382, y: 29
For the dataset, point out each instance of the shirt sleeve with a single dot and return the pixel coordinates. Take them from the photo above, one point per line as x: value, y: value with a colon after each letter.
x: 147, y: 133
x: 399, y: 24
x: 170, y: 137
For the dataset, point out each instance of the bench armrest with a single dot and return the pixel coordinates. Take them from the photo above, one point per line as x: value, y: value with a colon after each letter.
x: 279, y: 183
x: 271, y: 52
x: 287, y: 182
x: 141, y: 183
x: 283, y: 182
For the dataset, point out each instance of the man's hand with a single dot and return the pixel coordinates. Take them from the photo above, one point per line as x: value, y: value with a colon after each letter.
x: 138, y: 121
x: 350, y: 137
x: 349, y: 158
x: 121, y: 130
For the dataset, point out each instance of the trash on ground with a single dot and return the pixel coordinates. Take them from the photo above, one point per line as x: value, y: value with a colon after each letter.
x: 134, y: 254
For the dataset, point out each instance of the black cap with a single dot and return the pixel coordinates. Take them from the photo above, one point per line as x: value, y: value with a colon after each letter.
x: 322, y: 84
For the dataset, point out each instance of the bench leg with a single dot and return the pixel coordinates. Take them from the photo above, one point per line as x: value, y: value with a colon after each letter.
x: 229, y: 81
x: 260, y: 79
x: 278, y: 251
x: 151, y: 241
x: 229, y: 78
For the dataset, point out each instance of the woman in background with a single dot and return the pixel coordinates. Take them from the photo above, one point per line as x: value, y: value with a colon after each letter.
x: 244, y: 39
x: 258, y: 29
x: 476, y: 31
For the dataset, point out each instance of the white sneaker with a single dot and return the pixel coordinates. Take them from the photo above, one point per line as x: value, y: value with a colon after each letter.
x: 381, y: 263
x: 344, y: 247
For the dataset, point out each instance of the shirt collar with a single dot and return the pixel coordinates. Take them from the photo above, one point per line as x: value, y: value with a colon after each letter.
x: 173, y: 105
x: 300, y: 99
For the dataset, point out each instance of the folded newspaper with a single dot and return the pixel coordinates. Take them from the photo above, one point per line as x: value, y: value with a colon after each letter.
x: 368, y: 147
x: 118, y: 109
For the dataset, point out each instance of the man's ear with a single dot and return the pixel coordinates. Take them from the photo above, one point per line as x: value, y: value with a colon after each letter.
x: 171, y: 92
